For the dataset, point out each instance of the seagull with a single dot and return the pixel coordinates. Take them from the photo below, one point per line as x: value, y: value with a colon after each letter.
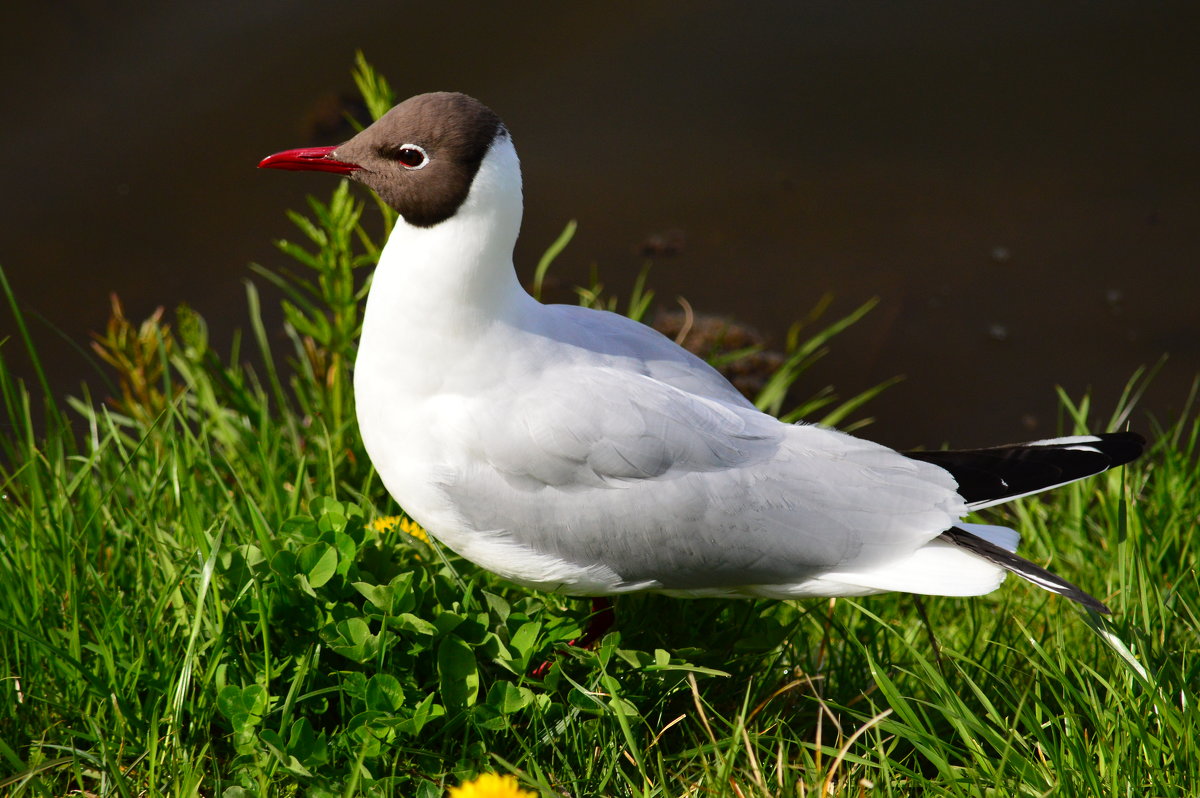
x: 575, y: 450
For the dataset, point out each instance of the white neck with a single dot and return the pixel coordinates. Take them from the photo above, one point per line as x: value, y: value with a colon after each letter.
x: 439, y: 291
x: 459, y: 273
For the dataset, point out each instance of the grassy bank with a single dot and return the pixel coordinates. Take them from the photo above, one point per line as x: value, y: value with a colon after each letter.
x: 205, y: 590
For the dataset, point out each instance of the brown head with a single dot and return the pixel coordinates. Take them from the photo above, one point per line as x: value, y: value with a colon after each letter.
x: 420, y: 157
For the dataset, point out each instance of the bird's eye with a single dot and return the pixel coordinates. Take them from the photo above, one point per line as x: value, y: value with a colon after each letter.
x: 411, y: 156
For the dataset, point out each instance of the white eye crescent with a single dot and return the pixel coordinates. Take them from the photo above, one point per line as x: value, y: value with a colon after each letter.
x: 412, y: 156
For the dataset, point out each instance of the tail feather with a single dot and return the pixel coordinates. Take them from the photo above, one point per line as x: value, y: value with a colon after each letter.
x: 999, y: 474
x: 1022, y: 567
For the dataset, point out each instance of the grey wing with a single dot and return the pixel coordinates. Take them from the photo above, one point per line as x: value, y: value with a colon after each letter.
x: 601, y: 467
x: 632, y: 346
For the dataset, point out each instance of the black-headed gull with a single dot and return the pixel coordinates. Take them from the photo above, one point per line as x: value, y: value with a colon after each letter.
x: 575, y: 450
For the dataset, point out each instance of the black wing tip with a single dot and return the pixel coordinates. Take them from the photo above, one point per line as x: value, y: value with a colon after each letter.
x: 1029, y: 571
x: 1000, y: 473
x: 1087, y: 600
x: 1121, y: 447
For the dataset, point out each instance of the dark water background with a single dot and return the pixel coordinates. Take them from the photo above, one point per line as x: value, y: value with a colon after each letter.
x: 1018, y: 182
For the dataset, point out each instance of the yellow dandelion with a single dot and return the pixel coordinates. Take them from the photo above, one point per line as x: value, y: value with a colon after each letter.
x: 384, y: 523
x: 491, y: 785
x: 407, y: 526
x: 411, y: 527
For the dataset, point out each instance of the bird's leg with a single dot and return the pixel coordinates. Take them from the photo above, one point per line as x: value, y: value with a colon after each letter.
x: 602, y: 619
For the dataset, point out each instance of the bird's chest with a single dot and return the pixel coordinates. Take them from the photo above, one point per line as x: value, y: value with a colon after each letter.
x: 419, y: 423
x: 408, y: 433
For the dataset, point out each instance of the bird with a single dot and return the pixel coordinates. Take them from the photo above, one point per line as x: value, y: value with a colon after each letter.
x: 574, y: 450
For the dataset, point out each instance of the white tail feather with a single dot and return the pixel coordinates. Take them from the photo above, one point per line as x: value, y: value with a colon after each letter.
x: 939, y: 568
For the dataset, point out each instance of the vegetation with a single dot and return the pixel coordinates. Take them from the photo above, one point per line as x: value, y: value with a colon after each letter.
x: 205, y: 590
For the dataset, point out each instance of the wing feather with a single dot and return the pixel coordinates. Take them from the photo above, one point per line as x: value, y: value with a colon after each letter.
x: 683, y: 491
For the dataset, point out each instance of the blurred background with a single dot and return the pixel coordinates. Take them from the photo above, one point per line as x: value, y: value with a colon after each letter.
x: 1018, y: 182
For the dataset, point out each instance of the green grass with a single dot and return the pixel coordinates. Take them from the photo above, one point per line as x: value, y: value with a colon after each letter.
x: 193, y: 602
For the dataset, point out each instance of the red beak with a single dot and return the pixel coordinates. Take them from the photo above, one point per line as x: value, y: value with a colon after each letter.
x: 314, y: 159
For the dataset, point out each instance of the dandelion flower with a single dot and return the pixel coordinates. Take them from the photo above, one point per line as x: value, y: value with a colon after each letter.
x: 412, y: 528
x: 407, y: 526
x: 491, y: 785
x: 384, y: 523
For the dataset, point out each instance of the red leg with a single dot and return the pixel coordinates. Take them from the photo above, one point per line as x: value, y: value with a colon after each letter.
x: 601, y: 621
